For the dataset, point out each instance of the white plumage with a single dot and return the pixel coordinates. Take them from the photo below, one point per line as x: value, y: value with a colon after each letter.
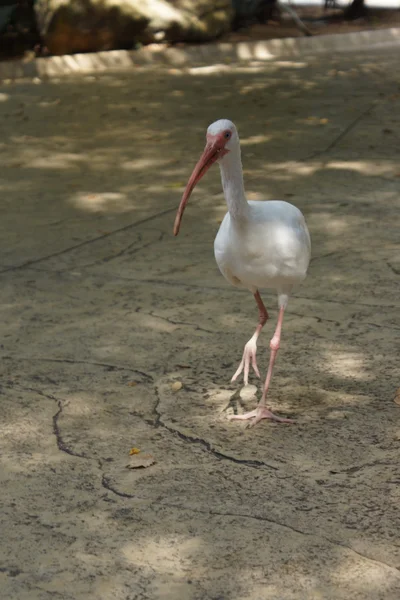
x: 268, y: 249
x: 259, y: 245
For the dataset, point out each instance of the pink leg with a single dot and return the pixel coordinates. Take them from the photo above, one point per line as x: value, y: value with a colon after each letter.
x: 250, y: 349
x: 262, y: 412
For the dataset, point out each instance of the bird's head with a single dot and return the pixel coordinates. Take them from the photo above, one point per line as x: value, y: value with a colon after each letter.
x: 222, y: 137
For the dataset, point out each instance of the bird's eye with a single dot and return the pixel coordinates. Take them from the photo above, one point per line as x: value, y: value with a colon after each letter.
x: 227, y: 135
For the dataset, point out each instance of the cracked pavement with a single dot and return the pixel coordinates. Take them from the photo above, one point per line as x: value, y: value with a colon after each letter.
x: 103, y: 310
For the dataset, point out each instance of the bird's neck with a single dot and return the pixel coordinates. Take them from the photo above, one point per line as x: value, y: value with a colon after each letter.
x: 232, y: 183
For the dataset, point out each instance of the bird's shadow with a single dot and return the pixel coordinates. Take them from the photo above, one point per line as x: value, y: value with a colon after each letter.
x: 238, y: 404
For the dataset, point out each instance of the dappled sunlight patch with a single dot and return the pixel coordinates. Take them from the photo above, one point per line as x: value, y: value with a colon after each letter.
x: 338, y: 415
x: 256, y: 196
x: 217, y: 399
x: 250, y: 88
x: 63, y: 160
x: 312, y: 120
x: 12, y: 464
x: 255, y: 139
x: 101, y: 202
x: 163, y: 551
x: 154, y: 323
x: 365, y: 167
x: 209, y: 70
x: 287, y: 169
x: 371, y: 578
x: 348, y: 364
x: 290, y: 64
x: 143, y: 163
x: 22, y: 429
x: 252, y: 67
x: 47, y: 103
x: 228, y: 320
x: 301, y: 168
x: 328, y: 223
x: 109, y: 351
x: 80, y: 404
x: 158, y: 189
x: 93, y: 520
x: 248, y: 51
x: 27, y: 437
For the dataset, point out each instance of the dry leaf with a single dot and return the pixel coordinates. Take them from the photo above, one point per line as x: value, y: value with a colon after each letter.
x: 132, y: 383
x: 133, y: 451
x: 183, y: 366
x: 396, y: 398
x: 140, y: 461
x: 176, y: 386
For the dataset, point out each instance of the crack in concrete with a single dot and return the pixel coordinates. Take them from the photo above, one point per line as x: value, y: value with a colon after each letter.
x: 234, y: 290
x: 364, y: 556
x: 343, y: 133
x: 105, y: 482
x: 355, y: 469
x: 61, y: 445
x: 36, y: 261
x: 318, y: 319
x: 71, y: 361
x: 52, y: 593
x: 284, y: 525
x: 240, y: 516
x: 158, y: 422
x: 169, y: 320
x: 259, y: 518
x: 338, y: 323
x: 393, y: 269
x: 11, y: 571
x: 300, y: 531
x: 125, y: 250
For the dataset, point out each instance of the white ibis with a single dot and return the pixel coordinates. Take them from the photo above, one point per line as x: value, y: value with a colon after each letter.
x: 259, y: 245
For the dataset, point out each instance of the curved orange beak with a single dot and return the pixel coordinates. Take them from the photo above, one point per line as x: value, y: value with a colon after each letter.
x: 212, y: 152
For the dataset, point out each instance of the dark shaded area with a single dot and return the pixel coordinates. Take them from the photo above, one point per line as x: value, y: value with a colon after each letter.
x: 356, y: 10
x: 18, y: 29
x: 257, y: 19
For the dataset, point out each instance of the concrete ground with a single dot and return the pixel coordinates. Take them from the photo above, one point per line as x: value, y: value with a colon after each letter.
x: 103, y: 310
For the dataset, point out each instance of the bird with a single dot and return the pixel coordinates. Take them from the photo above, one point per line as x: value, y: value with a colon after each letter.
x: 260, y: 244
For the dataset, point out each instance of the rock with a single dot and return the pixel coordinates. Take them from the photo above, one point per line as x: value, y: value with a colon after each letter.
x: 69, y: 26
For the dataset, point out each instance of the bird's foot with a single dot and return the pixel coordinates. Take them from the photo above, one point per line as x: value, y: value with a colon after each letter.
x: 261, y: 412
x: 248, y: 358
